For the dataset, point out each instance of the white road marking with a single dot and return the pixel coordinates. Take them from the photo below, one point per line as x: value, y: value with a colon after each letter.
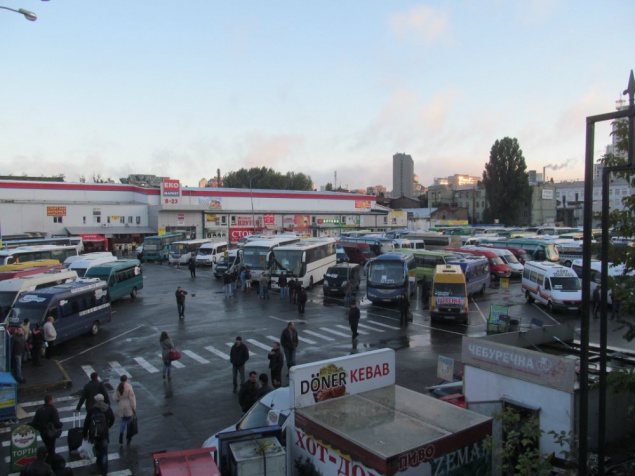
x: 217, y: 352
x: 348, y: 328
x: 116, y: 366
x: 384, y: 325
x: 265, y: 347
x: 316, y: 334
x: 146, y: 365
x: 230, y: 344
x: 196, y: 357
x: 88, y: 369
x: 370, y: 328
x: 326, y: 329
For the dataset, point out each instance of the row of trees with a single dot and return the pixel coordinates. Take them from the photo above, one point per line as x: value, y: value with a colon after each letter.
x: 266, y: 178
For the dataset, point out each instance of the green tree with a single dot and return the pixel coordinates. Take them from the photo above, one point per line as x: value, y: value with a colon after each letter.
x: 264, y: 178
x: 506, y: 183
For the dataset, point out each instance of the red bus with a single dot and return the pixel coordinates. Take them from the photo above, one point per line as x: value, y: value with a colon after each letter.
x: 497, y: 266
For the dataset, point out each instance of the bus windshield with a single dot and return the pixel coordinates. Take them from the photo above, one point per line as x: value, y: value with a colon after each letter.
x: 449, y: 289
x: 552, y: 253
x: 255, y: 257
x: 566, y: 284
x: 386, y: 273
x: 289, y: 261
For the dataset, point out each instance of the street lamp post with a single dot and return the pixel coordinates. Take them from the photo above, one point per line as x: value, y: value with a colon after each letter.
x: 27, y: 14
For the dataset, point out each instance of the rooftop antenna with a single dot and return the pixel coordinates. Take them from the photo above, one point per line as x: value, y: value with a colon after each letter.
x: 335, y: 180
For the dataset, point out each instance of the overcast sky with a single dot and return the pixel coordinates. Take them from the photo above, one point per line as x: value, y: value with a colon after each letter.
x: 183, y: 88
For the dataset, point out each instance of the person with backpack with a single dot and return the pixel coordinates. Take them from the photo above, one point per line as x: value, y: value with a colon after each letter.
x: 96, y: 428
x: 47, y: 421
x: 91, y: 389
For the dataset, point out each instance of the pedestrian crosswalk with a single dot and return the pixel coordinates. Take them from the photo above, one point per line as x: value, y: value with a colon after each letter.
x: 65, y: 406
x: 258, y: 349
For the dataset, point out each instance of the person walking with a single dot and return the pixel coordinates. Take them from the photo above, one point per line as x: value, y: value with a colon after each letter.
x: 125, y: 397
x: 248, y: 394
x: 37, y: 344
x: 47, y: 421
x: 243, y: 278
x: 227, y: 284
x: 247, y: 278
x: 92, y: 388
x: 264, y: 286
x: 404, y: 308
x: 282, y: 283
x: 276, y: 362
x: 302, y: 298
x: 238, y: 357
x: 180, y: 301
x: 191, y: 265
x: 50, y: 334
x: 96, y: 430
x: 166, y: 346
x: 289, y: 342
x: 26, y: 328
x: 617, y: 303
x: 353, y: 319
x: 18, y: 345
x: 425, y: 293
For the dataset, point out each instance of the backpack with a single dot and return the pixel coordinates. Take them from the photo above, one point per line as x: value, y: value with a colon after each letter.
x: 98, y: 428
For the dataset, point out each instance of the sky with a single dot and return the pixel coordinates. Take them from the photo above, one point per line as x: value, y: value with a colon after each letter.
x: 184, y: 88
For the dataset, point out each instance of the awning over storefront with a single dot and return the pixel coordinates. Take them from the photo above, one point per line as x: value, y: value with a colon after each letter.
x: 109, y: 231
x: 93, y: 237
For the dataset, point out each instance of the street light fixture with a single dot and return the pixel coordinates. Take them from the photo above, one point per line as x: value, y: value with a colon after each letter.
x: 27, y: 14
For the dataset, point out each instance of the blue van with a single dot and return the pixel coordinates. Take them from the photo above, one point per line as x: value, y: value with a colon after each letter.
x: 79, y: 307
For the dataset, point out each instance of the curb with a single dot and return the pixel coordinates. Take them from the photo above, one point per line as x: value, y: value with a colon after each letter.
x: 65, y: 382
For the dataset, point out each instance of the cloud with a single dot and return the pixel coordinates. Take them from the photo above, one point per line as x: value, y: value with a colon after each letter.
x: 421, y: 24
x: 257, y: 150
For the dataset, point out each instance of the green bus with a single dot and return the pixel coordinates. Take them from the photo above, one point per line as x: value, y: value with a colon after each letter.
x: 426, y: 261
x: 157, y: 248
x: 123, y: 277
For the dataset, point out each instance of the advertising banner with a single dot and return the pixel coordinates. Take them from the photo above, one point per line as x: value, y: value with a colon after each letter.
x: 55, y: 211
x: 333, y: 378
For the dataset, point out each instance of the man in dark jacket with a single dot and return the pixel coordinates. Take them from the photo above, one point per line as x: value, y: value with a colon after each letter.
x: 238, y: 356
x: 404, y: 308
x: 289, y: 342
x: 39, y: 467
x: 18, y: 346
x: 91, y: 389
x: 45, y: 420
x: 180, y: 301
x: 302, y: 298
x: 100, y: 442
x: 353, y: 319
x: 249, y: 392
x: 276, y: 362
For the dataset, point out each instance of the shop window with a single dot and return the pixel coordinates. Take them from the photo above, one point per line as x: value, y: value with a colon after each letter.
x: 223, y: 220
x: 129, y: 220
x: 96, y: 219
x: 57, y: 219
x: 83, y: 220
x: 122, y: 220
x: 138, y: 220
x: 233, y: 219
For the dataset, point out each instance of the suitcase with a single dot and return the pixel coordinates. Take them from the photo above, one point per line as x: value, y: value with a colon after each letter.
x: 75, y: 434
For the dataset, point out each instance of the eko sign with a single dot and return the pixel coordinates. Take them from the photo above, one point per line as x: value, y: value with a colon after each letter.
x: 171, y: 188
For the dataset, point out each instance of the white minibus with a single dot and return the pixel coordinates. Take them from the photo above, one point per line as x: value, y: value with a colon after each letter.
x: 615, y: 272
x: 554, y: 285
x: 97, y: 254
x: 83, y: 265
x: 209, y: 253
x: 11, y: 289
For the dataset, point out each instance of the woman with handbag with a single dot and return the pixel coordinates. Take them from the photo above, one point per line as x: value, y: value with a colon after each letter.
x: 125, y: 397
x: 167, y: 346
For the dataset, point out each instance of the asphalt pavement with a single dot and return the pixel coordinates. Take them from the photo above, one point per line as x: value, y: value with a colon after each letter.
x: 198, y: 401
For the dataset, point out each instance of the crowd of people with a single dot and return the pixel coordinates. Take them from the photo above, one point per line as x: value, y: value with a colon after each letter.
x: 95, y: 429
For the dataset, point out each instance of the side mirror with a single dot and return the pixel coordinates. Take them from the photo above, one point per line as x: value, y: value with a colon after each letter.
x: 273, y: 417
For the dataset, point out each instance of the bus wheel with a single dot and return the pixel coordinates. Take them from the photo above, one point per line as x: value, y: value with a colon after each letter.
x: 94, y: 328
x: 133, y: 293
x: 528, y: 297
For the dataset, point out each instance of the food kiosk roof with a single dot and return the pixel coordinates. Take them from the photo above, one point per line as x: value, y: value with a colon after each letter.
x: 392, y: 421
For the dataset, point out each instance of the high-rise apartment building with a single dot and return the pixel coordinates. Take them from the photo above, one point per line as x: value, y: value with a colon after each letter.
x: 402, y: 175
